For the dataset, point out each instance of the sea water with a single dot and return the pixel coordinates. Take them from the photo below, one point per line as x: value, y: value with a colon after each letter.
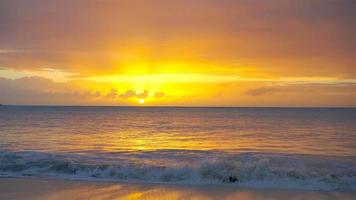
x: 306, y: 148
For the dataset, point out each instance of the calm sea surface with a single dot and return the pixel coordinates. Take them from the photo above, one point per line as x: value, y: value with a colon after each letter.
x: 311, y: 148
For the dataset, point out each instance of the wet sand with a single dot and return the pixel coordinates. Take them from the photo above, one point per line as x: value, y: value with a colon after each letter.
x: 17, y: 188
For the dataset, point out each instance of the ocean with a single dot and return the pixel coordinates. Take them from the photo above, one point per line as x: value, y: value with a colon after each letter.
x: 303, y: 148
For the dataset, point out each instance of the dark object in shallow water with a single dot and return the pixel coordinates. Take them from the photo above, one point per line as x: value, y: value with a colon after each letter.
x: 231, y: 179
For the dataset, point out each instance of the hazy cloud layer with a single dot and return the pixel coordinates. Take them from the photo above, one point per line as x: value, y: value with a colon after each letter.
x: 37, y: 90
x: 306, y: 38
x: 261, y: 91
x: 261, y: 42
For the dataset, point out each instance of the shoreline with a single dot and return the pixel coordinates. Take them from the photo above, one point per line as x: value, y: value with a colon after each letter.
x: 37, y: 188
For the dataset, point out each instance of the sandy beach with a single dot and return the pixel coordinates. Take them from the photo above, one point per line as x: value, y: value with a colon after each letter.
x: 17, y: 188
x: 177, y: 100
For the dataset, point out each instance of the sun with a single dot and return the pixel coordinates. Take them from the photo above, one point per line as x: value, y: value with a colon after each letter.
x: 141, y: 101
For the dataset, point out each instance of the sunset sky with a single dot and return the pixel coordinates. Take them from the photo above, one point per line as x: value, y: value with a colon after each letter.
x: 178, y: 52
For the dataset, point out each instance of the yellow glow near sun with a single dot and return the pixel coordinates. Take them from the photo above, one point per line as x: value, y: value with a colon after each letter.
x: 141, y: 101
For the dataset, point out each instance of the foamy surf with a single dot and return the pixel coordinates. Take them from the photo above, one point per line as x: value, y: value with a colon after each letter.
x: 266, y: 170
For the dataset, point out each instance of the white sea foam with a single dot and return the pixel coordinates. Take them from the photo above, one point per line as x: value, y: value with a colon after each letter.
x: 247, y: 169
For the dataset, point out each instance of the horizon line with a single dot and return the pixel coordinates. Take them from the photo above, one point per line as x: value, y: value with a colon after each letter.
x: 171, y: 106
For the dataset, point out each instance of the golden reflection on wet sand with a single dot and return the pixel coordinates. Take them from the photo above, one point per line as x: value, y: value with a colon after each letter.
x: 58, y: 190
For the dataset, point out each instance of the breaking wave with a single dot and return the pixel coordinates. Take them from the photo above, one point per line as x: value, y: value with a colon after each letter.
x: 193, y: 167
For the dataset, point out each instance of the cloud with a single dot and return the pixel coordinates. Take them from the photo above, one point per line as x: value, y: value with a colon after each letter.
x: 261, y: 91
x: 159, y: 95
x: 112, y: 94
x: 305, y: 88
x: 36, y: 90
x: 132, y: 94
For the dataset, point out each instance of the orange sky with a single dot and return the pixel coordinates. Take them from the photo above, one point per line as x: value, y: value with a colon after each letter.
x: 177, y: 52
